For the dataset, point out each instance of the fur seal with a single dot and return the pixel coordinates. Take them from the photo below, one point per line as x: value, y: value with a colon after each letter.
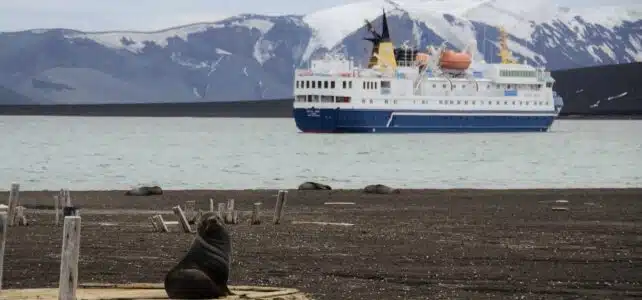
x: 145, y: 191
x: 309, y: 186
x: 380, y: 189
x: 203, y: 272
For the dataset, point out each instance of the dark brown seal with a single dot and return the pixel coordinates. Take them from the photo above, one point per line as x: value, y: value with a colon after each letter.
x: 145, y: 191
x: 309, y: 186
x: 380, y: 189
x: 203, y: 272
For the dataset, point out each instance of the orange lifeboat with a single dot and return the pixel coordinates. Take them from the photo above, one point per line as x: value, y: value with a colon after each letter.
x: 422, y: 58
x: 455, y: 60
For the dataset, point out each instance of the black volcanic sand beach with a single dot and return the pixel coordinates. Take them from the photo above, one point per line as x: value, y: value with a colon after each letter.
x: 419, y: 244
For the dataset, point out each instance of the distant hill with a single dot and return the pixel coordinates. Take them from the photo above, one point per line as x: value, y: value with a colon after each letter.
x: 8, y: 96
x: 251, y: 57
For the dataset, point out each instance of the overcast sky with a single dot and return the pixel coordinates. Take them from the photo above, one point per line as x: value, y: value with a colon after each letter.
x: 157, y: 14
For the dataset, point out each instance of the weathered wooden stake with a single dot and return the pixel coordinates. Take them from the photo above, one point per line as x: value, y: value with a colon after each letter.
x: 211, y: 205
x: 229, y: 215
x: 4, y: 220
x: 281, y: 199
x: 69, y: 258
x: 221, y: 211
x: 256, y: 217
x: 161, y: 223
x: 154, y: 224
x: 182, y: 219
x: 20, y: 217
x: 57, y: 209
x: 14, y: 198
x: 67, y: 198
x: 190, y: 209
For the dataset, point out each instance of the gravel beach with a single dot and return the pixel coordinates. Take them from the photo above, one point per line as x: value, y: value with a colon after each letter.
x: 418, y: 244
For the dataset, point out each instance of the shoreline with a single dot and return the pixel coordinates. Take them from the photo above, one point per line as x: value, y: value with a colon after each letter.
x: 464, y: 244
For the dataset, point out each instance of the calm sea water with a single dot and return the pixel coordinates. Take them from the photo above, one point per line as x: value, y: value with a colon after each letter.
x: 182, y: 153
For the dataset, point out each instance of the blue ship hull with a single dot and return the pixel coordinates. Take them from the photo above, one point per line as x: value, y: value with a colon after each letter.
x: 379, y: 121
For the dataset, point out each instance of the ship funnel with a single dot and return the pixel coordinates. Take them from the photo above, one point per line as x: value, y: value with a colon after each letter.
x: 382, y: 48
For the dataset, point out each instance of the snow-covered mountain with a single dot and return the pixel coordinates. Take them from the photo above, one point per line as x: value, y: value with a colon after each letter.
x: 252, y: 56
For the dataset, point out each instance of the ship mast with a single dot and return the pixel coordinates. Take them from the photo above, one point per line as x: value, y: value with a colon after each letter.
x: 504, y: 53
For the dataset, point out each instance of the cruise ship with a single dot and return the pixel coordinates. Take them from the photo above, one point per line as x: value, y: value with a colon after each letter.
x: 405, y: 90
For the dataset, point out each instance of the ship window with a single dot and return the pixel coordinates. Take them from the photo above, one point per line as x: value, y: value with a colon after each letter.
x: 325, y: 84
x: 319, y: 84
x: 444, y: 86
x: 385, y: 101
x: 313, y: 84
x: 364, y: 85
x: 498, y: 103
x: 454, y: 86
x: 370, y: 101
x: 343, y: 84
x: 508, y: 86
x: 327, y: 99
x: 528, y: 103
x: 375, y: 85
x: 297, y: 84
x: 385, y: 84
x: 331, y: 84
x: 463, y: 86
x: 307, y: 84
x: 363, y: 100
x: 450, y: 102
x: 300, y: 98
x: 309, y: 98
x: 350, y: 84
x: 394, y: 101
x: 441, y: 102
x: 548, y: 84
x: 505, y: 102
x: 466, y: 102
x: 458, y: 102
x: 473, y: 102
x: 434, y: 85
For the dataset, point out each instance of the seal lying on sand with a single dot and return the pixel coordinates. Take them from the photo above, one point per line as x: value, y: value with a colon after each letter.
x: 380, y: 189
x: 145, y: 191
x: 204, y: 271
x: 309, y: 186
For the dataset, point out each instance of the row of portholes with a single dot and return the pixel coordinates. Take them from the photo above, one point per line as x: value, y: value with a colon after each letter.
x: 466, y: 102
x: 534, y: 87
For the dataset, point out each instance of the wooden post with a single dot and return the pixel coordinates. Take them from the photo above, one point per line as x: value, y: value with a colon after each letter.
x: 190, y: 209
x: 229, y: 215
x: 256, y: 218
x: 69, y: 258
x: 221, y: 211
x: 281, y: 199
x: 14, y: 198
x: 154, y: 224
x: 161, y: 223
x: 67, y: 198
x: 20, y: 218
x: 57, y: 209
x: 211, y: 205
x: 4, y: 220
x: 182, y: 219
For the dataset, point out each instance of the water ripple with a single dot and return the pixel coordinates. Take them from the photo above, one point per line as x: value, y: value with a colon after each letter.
x: 117, y: 153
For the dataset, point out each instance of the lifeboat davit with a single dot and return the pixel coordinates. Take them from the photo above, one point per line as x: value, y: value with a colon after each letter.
x: 455, y: 60
x: 422, y: 58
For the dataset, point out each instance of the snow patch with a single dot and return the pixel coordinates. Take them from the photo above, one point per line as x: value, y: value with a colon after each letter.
x: 261, y: 25
x: 222, y: 52
x: 263, y: 50
x: 135, y: 41
x: 611, y: 98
